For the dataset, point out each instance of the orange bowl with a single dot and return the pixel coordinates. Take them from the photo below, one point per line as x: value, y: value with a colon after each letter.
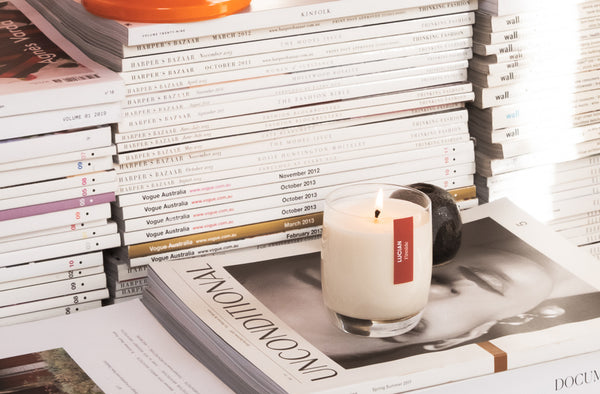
x: 164, y: 11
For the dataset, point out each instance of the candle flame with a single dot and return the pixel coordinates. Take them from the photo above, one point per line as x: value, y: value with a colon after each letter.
x: 378, y: 203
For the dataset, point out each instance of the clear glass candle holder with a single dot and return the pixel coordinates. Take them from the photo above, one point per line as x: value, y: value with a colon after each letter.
x: 376, y: 258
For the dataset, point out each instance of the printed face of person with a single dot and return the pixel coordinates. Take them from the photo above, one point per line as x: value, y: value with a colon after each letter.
x: 480, y: 286
x: 477, y: 287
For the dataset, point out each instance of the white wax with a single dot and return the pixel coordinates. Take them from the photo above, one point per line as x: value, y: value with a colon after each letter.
x: 357, y: 260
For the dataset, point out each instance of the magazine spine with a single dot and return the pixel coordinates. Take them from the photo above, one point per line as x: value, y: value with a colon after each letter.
x: 52, y: 289
x: 502, y: 79
x: 539, y: 55
x: 557, y: 25
x: 509, y: 149
x: 561, y: 180
x: 122, y: 270
x: 532, y: 131
x: 577, y: 189
x: 49, y: 313
x: 59, y: 158
x: 55, y: 230
x: 54, y: 185
x: 54, y: 143
x: 50, y: 278
x: 52, y: 303
x: 593, y: 249
x: 575, y: 206
x: 484, y: 37
x: 498, y: 166
x: 561, y: 172
x: 508, y: 7
x: 51, y: 266
x: 50, y: 220
x: 591, y: 235
x: 119, y: 285
x: 576, y: 222
x: 38, y: 209
x: 495, y: 23
x: 126, y: 292
x: 499, y: 23
x: 580, y: 112
x: 36, y: 253
x: 537, y: 42
x: 57, y: 120
x: 51, y: 171
x: 58, y: 195
x: 513, y: 7
x: 531, y: 81
x: 463, y: 193
x: 564, y: 188
x: 109, y: 228
x: 62, y: 98
x: 481, y: 65
x: 501, y: 95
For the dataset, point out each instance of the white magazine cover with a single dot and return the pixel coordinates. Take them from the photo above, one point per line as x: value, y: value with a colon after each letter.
x: 516, y: 294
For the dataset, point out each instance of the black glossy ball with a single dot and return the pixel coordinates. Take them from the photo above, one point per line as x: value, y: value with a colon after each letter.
x: 446, y: 222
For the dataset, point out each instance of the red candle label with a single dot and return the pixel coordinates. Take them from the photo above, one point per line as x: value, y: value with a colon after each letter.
x: 403, y: 250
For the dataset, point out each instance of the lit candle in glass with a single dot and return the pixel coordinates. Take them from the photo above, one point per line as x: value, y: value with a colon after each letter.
x: 376, y: 257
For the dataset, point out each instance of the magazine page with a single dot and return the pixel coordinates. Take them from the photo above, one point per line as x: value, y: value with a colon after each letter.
x: 516, y: 294
x: 40, y: 70
x: 120, y: 348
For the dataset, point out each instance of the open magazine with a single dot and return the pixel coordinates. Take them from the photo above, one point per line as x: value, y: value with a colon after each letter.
x: 516, y: 294
x: 116, y: 349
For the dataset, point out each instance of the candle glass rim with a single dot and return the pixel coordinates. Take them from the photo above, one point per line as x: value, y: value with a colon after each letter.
x: 331, y: 196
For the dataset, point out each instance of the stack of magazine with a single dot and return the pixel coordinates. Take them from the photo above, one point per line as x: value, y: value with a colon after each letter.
x: 56, y: 176
x: 536, y: 113
x: 127, y: 281
x: 516, y: 294
x: 234, y: 129
x: 511, y: 314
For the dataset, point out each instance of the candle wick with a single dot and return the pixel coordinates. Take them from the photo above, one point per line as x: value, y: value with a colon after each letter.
x: 377, y: 212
